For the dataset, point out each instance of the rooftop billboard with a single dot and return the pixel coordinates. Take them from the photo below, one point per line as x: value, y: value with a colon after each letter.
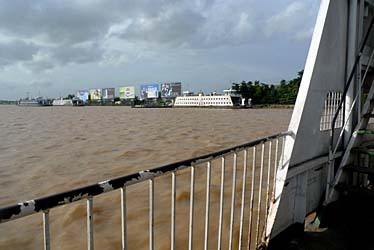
x: 149, y: 91
x: 95, y: 94
x: 173, y: 89
x: 127, y: 92
x: 108, y: 93
x: 82, y: 95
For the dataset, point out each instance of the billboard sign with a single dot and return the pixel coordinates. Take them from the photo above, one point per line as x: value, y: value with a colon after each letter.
x: 82, y: 95
x: 127, y: 92
x: 95, y: 94
x: 108, y: 93
x: 149, y: 91
x: 171, y: 89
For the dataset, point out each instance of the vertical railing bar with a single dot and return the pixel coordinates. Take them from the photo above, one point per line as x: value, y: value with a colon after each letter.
x: 275, y: 166
x: 268, y: 184
x: 260, y: 192
x: 173, y: 198
x: 90, y: 238
x: 251, y: 204
x: 232, y: 213
x: 335, y: 102
x: 207, y: 206
x: 221, y: 204
x: 268, y: 178
x: 324, y: 125
x: 282, y: 151
x: 46, y: 232
x: 243, y: 199
x: 330, y: 108
x: 190, y: 235
x: 151, y: 214
x: 124, y: 218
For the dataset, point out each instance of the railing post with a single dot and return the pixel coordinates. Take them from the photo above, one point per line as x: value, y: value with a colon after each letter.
x: 260, y: 192
x: 221, y: 203
x: 275, y: 167
x: 192, y: 191
x: 268, y: 185
x: 243, y: 199
x: 151, y: 214
x: 46, y: 232
x: 207, y: 205
x: 233, y: 201
x: 124, y: 218
x: 251, y: 204
x: 90, y: 238
x: 173, y: 198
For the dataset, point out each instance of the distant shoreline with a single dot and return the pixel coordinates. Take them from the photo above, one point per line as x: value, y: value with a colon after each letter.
x: 258, y: 106
x: 274, y: 106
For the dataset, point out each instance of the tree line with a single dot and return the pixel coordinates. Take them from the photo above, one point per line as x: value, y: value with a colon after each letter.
x: 262, y: 93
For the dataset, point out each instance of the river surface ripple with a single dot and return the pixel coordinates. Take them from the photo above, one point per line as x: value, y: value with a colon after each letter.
x: 52, y: 149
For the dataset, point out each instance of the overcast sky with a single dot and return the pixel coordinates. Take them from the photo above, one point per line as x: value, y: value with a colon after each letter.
x: 57, y: 47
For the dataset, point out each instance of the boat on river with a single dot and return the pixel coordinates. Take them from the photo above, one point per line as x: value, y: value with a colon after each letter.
x: 229, y: 98
x: 62, y: 102
x: 34, y: 102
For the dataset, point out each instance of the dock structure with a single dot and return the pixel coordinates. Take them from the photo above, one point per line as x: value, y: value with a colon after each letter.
x: 324, y: 157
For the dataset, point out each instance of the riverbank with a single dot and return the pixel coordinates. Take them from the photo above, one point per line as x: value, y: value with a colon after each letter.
x: 273, y: 106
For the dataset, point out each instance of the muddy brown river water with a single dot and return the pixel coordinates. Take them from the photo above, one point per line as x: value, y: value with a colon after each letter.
x: 54, y: 149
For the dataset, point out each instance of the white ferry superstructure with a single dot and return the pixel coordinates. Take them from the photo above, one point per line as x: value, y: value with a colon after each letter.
x: 230, y: 98
x: 62, y: 102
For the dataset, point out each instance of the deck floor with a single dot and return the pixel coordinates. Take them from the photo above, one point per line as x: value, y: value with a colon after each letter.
x: 347, y: 224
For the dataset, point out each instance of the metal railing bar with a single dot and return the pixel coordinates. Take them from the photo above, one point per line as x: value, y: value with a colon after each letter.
x: 46, y: 231
x: 268, y: 184
x: 221, y: 204
x: 260, y: 192
x: 192, y: 191
x: 90, y: 232
x: 345, y: 124
x: 275, y: 166
x: 245, y: 155
x: 173, y: 199
x: 123, y: 218
x: 232, y: 213
x: 330, y: 106
x: 252, y: 200
x: 207, y: 206
x: 151, y: 213
x: 25, y: 208
x: 349, y: 81
x: 368, y: 66
x: 282, y: 154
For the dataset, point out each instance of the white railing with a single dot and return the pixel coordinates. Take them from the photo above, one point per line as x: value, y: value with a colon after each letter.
x: 251, y: 194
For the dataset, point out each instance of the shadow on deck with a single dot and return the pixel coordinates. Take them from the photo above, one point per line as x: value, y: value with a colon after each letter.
x: 343, y: 225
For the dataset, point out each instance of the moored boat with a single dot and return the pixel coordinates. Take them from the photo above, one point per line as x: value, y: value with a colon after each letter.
x: 34, y: 102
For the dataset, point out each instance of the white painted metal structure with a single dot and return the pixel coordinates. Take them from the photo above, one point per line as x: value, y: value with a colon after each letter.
x: 339, y: 55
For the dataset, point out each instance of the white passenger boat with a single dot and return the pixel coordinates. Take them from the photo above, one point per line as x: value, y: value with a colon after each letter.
x: 230, y: 98
x: 62, y: 102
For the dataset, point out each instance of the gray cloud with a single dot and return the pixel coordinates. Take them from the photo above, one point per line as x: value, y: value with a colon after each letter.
x: 16, y: 50
x: 45, y: 37
x: 294, y: 20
